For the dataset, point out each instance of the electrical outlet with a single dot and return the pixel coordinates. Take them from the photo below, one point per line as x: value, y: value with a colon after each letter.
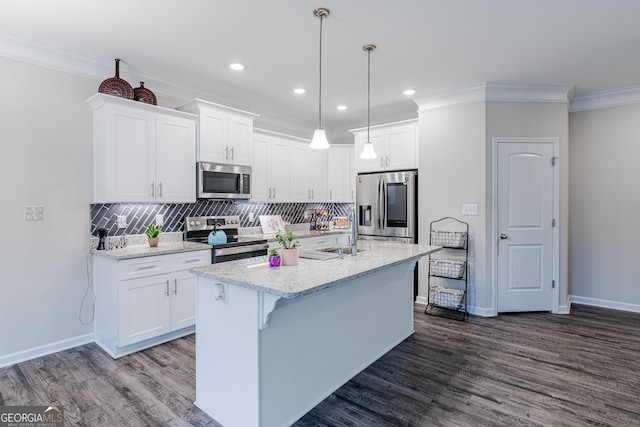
x: 34, y: 213
x: 469, y: 209
x: 159, y: 220
x: 121, y: 221
x: 251, y: 217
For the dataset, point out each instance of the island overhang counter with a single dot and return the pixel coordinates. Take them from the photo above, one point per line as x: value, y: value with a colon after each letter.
x: 271, y: 343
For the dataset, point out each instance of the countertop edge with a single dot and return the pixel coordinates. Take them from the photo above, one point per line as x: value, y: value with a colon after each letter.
x: 199, y: 271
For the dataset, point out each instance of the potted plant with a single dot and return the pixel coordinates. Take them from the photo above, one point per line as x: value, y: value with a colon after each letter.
x: 153, y: 233
x: 274, y: 258
x: 289, y: 251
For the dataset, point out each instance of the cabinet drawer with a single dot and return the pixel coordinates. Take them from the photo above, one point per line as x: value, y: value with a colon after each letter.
x: 186, y: 260
x: 142, y: 267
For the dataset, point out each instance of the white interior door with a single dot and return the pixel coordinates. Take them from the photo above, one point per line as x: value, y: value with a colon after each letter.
x: 525, y: 248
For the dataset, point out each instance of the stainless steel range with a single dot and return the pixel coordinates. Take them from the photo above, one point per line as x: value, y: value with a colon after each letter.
x: 197, y: 229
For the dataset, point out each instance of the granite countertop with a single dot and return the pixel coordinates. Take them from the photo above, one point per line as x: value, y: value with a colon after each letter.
x: 310, y: 275
x: 137, y: 251
x: 298, y: 233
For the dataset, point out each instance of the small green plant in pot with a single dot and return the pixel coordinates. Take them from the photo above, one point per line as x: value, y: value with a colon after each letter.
x: 274, y: 258
x: 289, y: 251
x: 153, y: 233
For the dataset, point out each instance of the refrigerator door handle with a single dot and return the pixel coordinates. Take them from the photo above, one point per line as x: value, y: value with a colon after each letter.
x: 384, y: 205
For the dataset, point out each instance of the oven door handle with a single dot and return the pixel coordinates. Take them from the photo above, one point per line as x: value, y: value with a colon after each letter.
x: 240, y: 249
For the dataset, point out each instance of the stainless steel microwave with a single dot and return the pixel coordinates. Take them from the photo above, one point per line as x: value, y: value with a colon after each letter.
x: 223, y: 181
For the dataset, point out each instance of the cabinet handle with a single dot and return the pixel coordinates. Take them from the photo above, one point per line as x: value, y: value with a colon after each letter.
x: 226, y: 152
x: 189, y: 261
x: 352, y: 197
x: 269, y: 192
x: 274, y: 192
x: 387, y: 160
x: 146, y: 267
x: 330, y: 194
x: 381, y: 161
x: 160, y: 189
x: 308, y: 193
x: 153, y: 189
x: 167, y: 288
x: 175, y: 286
x: 231, y: 153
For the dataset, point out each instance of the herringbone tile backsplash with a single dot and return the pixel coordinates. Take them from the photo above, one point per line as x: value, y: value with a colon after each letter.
x: 139, y: 215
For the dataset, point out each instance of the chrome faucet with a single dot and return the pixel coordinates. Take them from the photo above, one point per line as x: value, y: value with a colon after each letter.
x: 354, y: 232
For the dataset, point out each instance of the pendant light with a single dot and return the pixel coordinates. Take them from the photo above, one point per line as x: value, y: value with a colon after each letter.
x: 367, y: 149
x: 319, y: 141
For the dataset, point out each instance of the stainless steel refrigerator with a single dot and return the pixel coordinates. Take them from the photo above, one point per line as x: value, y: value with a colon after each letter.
x: 387, y: 207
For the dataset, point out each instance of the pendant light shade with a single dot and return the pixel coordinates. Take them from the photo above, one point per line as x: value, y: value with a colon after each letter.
x: 319, y: 141
x: 367, y: 149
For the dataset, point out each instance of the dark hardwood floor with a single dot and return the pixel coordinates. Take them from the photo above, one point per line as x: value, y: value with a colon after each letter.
x: 510, y: 370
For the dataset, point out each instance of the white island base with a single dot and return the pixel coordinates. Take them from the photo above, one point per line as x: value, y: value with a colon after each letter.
x: 265, y: 360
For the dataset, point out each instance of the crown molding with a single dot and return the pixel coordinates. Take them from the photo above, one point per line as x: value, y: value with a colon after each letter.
x: 19, y: 48
x: 497, y: 91
x: 605, y: 99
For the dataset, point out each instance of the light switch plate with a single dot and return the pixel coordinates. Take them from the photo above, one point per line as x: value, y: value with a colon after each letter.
x: 159, y: 220
x: 121, y: 221
x: 469, y: 209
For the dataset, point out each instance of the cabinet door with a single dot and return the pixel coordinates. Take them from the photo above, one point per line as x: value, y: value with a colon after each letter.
x: 213, y: 137
x: 240, y: 140
x: 340, y: 174
x: 370, y: 165
x: 279, y: 161
x: 318, y: 180
x: 144, y: 309
x: 175, y: 159
x: 260, y: 185
x: 129, y: 163
x: 183, y: 300
x: 299, y: 170
x: 401, y: 147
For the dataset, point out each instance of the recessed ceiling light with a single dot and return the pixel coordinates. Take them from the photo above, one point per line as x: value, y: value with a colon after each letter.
x: 236, y: 66
x: 409, y: 92
x: 300, y: 91
x: 342, y: 107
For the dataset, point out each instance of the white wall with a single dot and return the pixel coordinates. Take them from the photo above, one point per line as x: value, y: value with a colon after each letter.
x: 452, y: 172
x: 456, y: 168
x: 605, y: 205
x: 535, y: 119
x: 46, y: 160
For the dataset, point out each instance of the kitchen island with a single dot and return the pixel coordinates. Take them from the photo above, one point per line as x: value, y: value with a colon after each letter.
x: 274, y: 342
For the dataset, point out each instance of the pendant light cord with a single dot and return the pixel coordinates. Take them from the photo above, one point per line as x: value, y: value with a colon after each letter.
x: 368, y: 93
x: 320, y: 78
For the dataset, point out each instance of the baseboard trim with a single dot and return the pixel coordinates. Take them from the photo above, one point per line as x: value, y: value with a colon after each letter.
x: 477, y: 311
x: 615, y: 305
x: 21, y: 356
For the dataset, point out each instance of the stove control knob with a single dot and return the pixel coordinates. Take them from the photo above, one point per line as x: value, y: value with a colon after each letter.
x: 191, y: 223
x: 197, y: 222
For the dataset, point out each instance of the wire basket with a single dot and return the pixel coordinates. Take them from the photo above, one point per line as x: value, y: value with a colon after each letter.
x: 450, y: 239
x: 446, y: 268
x: 446, y: 297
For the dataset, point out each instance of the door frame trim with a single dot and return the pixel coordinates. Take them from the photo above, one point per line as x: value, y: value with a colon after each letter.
x: 555, y: 141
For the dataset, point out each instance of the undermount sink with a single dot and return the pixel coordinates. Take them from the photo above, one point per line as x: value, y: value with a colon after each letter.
x: 345, y: 249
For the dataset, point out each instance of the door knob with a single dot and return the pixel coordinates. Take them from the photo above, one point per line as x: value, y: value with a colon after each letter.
x: 503, y: 236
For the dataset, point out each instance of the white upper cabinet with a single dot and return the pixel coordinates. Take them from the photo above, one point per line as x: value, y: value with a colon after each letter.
x: 308, y: 174
x: 396, y: 145
x: 341, y: 174
x: 225, y: 135
x: 270, y: 171
x: 142, y: 153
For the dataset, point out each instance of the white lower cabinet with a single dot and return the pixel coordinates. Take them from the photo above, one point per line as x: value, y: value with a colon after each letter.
x: 142, y: 302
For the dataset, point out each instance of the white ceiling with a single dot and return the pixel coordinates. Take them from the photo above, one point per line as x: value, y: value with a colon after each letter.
x: 432, y: 46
